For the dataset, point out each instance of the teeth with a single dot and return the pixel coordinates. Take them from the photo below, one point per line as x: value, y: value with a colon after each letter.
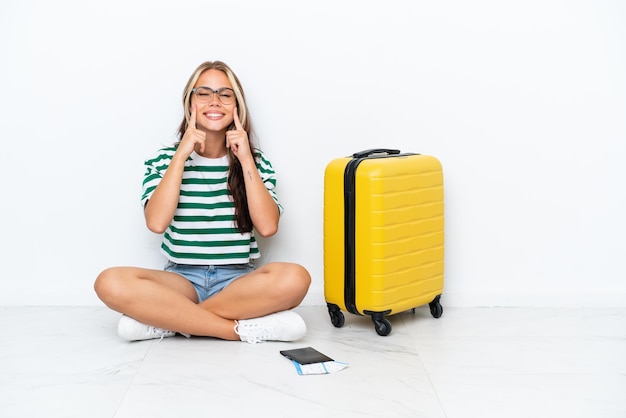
x: 214, y: 115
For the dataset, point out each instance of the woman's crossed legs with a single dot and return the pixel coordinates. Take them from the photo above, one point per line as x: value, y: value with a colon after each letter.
x: 169, y: 301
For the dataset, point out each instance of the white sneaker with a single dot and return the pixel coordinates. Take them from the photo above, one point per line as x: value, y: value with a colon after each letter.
x: 133, y: 330
x: 280, y: 326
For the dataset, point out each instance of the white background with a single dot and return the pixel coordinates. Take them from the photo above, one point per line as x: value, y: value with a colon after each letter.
x: 524, y: 103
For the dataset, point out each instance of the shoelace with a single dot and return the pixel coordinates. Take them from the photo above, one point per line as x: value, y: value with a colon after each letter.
x: 253, y: 333
x: 157, y: 331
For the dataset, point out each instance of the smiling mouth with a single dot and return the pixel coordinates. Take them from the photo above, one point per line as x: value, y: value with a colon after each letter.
x: 214, y: 115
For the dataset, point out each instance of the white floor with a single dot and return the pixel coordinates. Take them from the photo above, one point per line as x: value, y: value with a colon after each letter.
x: 483, y: 362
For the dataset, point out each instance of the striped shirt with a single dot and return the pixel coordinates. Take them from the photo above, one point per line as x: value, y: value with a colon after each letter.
x: 203, y: 231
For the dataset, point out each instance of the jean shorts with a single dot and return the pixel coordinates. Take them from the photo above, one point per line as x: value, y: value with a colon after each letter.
x: 209, y: 280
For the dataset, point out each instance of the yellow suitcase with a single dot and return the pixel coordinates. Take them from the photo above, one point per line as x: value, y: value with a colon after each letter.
x: 383, y: 235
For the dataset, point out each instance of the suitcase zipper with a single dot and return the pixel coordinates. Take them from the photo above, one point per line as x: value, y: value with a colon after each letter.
x: 349, y: 234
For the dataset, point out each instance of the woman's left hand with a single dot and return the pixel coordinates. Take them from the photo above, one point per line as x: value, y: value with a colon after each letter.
x: 237, y: 140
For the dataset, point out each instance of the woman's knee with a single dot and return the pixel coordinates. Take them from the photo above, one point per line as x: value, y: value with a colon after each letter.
x: 303, y: 276
x: 109, y: 284
x: 296, y: 279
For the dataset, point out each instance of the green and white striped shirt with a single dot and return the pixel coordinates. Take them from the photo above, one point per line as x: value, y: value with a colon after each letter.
x: 203, y: 230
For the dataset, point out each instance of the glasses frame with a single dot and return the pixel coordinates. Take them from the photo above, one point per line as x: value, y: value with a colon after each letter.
x: 218, y: 91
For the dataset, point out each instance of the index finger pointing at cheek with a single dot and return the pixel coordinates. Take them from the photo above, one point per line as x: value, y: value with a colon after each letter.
x: 236, y: 120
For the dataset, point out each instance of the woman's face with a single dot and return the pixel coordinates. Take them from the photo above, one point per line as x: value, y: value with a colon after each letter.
x: 211, y: 113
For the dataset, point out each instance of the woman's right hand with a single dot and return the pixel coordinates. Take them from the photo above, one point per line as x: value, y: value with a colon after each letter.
x: 192, y: 136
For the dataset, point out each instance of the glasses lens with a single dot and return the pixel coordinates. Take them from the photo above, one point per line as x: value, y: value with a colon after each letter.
x: 227, y: 96
x: 203, y: 94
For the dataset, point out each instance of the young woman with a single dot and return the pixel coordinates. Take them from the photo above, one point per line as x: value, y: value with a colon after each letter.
x: 208, y: 195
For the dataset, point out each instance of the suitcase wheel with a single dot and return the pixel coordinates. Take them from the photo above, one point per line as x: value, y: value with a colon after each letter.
x: 336, y: 316
x: 381, y: 325
x: 436, y: 310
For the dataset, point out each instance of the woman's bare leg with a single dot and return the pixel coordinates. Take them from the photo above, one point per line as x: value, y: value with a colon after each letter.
x: 161, y: 299
x: 271, y: 288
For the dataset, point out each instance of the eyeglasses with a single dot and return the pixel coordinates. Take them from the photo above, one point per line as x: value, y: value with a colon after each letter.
x: 205, y: 94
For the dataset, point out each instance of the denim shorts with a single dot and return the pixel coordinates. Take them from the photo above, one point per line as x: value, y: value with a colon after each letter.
x: 209, y: 280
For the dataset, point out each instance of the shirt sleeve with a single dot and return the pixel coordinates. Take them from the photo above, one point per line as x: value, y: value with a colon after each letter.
x: 155, y: 168
x: 268, y: 175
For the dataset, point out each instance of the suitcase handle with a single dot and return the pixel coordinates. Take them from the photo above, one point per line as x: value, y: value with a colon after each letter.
x: 369, y: 152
